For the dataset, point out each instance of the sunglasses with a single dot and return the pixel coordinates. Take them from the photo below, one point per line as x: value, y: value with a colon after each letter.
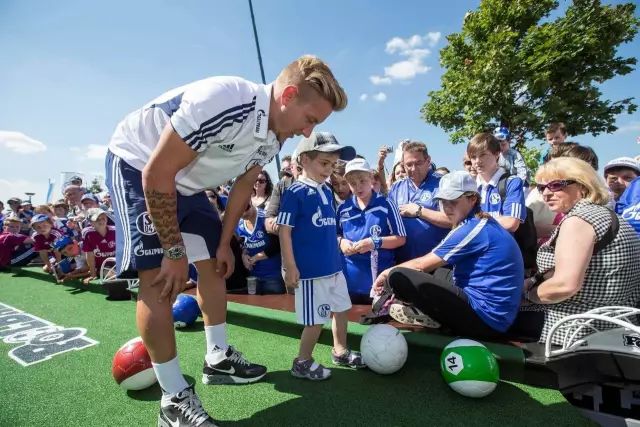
x: 261, y: 181
x: 554, y: 186
x: 467, y: 163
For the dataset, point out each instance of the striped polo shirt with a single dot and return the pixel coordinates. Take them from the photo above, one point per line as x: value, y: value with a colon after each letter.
x: 225, y: 120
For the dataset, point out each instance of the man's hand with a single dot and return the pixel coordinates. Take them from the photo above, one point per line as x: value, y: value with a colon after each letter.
x: 291, y: 276
x: 409, y: 210
x: 173, y: 277
x: 378, y: 285
x: 225, y: 261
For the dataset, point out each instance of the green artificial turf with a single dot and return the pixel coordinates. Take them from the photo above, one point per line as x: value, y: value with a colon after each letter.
x: 76, y: 388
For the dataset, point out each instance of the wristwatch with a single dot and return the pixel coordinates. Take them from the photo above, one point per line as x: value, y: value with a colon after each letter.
x: 175, y: 252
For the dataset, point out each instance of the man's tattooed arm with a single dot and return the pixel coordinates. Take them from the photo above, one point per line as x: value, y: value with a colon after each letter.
x: 164, y: 214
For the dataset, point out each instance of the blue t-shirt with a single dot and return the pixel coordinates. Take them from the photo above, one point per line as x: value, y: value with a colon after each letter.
x: 487, y: 265
x: 422, y: 236
x: 381, y: 218
x: 513, y: 204
x: 307, y: 207
x: 255, y: 241
x: 628, y: 206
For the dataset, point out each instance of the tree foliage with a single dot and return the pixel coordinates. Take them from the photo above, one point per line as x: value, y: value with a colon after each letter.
x: 512, y: 65
x: 95, y: 187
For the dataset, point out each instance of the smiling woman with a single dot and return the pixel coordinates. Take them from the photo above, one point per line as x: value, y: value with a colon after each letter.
x: 591, y: 260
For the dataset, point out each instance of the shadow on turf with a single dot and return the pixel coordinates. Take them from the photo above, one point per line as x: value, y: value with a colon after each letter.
x: 74, y: 287
x: 153, y: 393
x: 380, y: 400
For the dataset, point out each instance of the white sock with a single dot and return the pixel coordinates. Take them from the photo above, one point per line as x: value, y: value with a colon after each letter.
x: 216, y: 343
x: 169, y: 376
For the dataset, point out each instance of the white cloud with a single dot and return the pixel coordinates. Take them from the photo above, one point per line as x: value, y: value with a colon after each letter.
x: 20, y: 143
x: 91, y: 151
x: 363, y: 97
x: 17, y: 188
x: 380, y: 96
x: 411, y: 48
x: 377, y: 80
x: 629, y: 127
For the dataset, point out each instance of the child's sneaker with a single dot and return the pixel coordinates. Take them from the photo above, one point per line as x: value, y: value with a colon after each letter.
x: 310, y: 370
x: 410, y: 315
x: 352, y: 359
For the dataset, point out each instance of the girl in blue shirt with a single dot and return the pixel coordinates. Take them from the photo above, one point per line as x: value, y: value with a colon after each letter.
x: 488, y: 271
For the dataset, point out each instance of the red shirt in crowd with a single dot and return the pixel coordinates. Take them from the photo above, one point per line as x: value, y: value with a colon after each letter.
x: 42, y: 243
x: 8, y: 243
x: 102, y: 247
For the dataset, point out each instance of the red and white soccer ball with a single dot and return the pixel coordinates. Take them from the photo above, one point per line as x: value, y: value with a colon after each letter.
x: 131, y: 367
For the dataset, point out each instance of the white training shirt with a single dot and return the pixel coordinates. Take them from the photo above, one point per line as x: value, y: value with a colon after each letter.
x: 225, y: 120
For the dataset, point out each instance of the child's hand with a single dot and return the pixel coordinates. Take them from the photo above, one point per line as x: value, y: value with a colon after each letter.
x: 88, y: 280
x: 291, y: 276
x: 347, y: 247
x: 363, y: 246
x: 46, y: 268
x: 246, y: 261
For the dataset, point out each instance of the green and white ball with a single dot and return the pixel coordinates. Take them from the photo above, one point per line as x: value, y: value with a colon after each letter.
x: 469, y: 368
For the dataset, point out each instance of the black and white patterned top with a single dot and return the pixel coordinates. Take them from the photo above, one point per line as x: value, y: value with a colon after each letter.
x: 613, y: 274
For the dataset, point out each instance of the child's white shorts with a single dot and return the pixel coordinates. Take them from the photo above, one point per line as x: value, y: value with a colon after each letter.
x: 316, y: 299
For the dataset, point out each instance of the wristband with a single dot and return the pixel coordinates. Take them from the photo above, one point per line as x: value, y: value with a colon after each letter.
x: 419, y: 211
x: 377, y: 243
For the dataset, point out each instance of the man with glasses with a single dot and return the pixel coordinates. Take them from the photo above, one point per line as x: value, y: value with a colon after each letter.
x: 425, y: 225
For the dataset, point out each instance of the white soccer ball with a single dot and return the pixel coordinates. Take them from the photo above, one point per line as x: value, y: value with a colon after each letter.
x: 384, y: 349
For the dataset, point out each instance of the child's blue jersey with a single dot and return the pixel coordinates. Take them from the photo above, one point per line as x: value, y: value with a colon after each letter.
x: 255, y: 241
x: 380, y: 218
x: 513, y: 205
x: 307, y: 207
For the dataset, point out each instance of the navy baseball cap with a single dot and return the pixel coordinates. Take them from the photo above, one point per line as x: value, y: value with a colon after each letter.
x: 502, y: 133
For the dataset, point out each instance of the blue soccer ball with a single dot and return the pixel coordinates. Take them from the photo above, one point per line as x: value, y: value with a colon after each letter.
x: 185, y: 311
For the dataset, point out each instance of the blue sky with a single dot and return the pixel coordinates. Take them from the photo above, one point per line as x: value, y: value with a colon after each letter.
x: 71, y: 70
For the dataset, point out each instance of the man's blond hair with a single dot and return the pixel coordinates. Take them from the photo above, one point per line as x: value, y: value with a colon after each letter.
x: 310, y: 72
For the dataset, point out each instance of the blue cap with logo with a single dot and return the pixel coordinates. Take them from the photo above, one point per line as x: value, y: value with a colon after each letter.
x: 39, y: 218
x: 502, y: 133
x: 62, y: 242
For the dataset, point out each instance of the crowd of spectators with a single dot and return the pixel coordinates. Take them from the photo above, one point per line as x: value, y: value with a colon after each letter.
x: 440, y: 247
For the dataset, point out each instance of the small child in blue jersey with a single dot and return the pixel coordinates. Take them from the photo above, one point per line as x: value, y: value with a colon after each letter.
x: 369, y: 229
x: 308, y: 241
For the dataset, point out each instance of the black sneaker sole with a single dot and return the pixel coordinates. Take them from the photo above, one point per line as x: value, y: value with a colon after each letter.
x: 163, y: 423
x: 223, y: 379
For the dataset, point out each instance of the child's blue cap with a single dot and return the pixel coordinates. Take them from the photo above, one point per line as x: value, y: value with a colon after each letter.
x: 62, y: 242
x: 39, y: 218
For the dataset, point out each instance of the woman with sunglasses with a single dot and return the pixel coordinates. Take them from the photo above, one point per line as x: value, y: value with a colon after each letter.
x: 262, y: 190
x: 591, y: 259
x: 482, y: 299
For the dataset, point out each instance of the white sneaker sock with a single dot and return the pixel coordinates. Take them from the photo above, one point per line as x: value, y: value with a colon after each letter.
x: 169, y: 376
x: 216, y: 343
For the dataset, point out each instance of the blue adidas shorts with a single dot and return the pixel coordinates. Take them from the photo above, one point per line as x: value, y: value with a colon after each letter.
x: 137, y: 244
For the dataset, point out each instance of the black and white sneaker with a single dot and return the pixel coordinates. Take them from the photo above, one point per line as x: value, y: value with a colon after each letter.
x: 234, y: 369
x: 183, y: 409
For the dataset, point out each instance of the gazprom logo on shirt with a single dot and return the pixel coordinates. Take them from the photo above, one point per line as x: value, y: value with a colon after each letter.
x: 319, y: 221
x: 259, y: 115
x: 632, y: 213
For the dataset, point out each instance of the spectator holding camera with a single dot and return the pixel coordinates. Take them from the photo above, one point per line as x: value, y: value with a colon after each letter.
x: 72, y: 195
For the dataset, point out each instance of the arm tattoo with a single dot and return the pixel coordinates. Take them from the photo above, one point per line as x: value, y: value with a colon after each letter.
x: 163, y: 208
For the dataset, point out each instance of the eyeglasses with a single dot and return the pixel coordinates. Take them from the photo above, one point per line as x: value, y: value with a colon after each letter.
x: 261, y: 181
x: 554, y: 186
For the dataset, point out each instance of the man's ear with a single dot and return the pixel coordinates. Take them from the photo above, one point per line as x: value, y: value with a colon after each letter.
x: 289, y: 93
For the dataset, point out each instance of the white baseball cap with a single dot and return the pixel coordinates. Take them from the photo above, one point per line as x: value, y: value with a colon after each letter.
x: 455, y: 184
x: 623, y: 162
x: 357, y: 164
x: 324, y: 142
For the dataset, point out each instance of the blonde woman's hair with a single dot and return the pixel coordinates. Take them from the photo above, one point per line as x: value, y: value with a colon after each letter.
x: 577, y: 170
x: 310, y: 73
